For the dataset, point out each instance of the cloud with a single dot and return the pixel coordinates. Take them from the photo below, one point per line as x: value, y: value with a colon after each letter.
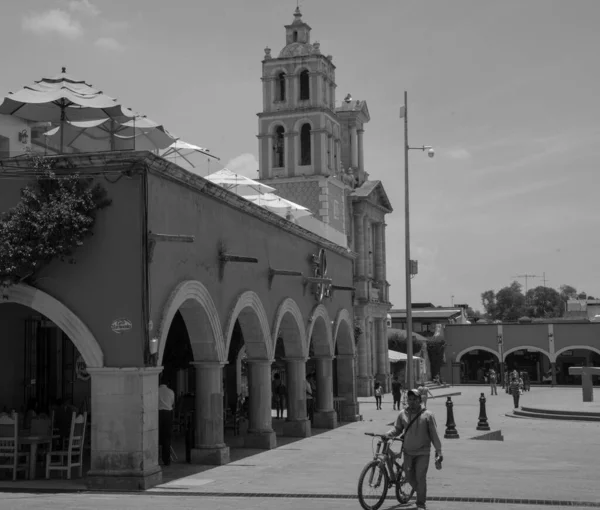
x: 459, y: 153
x: 245, y: 164
x: 115, y: 25
x: 55, y: 21
x: 84, y: 7
x: 109, y: 43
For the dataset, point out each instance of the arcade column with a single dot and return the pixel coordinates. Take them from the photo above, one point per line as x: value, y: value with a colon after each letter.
x: 260, y: 431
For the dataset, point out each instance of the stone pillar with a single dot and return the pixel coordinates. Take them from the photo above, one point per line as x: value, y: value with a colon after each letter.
x: 386, y: 297
x: 362, y: 360
x: 210, y: 444
x: 380, y: 344
x: 297, y: 423
x: 359, y: 244
x: 553, y: 368
x: 260, y: 430
x: 124, y: 432
x: 378, y: 255
x: 347, y: 387
x: 290, y: 162
x: 361, y: 154
x: 325, y: 415
x: 354, y: 147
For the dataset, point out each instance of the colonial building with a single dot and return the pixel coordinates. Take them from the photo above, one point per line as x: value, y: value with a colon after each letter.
x: 311, y: 150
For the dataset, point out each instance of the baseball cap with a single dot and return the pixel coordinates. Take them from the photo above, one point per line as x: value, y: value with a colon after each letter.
x: 414, y: 392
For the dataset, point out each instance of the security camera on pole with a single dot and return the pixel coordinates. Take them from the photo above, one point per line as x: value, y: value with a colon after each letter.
x: 408, y: 263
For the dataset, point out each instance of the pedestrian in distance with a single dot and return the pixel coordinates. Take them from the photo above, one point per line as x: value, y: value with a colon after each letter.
x: 396, y: 392
x: 516, y: 389
x: 378, y: 395
x: 278, y: 392
x: 425, y: 394
x: 418, y: 431
x: 493, y: 380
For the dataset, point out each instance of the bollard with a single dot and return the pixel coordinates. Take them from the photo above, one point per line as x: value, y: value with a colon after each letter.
x: 451, y: 432
x: 482, y: 424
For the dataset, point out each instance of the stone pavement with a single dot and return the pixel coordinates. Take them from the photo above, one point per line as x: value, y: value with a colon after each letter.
x: 146, y: 502
x: 541, y: 463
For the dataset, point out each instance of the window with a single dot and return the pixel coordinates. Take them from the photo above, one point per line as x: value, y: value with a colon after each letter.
x: 278, y: 148
x: 304, y: 86
x: 281, y: 87
x: 295, y: 36
x: 305, y: 145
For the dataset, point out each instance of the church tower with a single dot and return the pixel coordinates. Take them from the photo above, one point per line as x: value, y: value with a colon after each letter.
x: 311, y: 151
x: 300, y: 137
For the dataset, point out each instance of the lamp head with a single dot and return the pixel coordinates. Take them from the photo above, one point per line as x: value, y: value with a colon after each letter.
x: 348, y: 98
x: 431, y: 152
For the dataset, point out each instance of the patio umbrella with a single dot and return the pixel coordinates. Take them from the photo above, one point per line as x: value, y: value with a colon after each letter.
x: 238, y: 183
x: 185, y: 151
x: 280, y: 206
x: 139, y: 133
x: 61, y: 99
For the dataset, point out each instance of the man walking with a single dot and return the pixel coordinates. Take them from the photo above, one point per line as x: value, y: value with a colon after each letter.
x: 166, y: 399
x: 419, y: 430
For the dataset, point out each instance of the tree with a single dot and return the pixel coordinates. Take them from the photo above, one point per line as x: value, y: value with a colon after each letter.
x: 567, y: 292
x: 473, y: 313
x: 510, y: 302
x: 488, y: 299
x: 544, y: 302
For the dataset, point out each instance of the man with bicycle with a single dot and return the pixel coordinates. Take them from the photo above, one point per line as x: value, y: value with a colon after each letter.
x: 419, y: 430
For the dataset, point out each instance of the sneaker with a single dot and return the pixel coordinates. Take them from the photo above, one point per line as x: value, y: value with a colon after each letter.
x: 421, y: 507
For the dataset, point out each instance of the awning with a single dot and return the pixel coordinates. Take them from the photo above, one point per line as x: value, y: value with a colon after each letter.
x: 395, y: 356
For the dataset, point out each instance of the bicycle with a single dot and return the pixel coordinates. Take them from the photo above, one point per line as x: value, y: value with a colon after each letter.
x: 381, y: 473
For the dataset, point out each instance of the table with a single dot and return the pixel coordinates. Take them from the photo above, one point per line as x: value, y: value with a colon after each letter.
x: 33, y: 442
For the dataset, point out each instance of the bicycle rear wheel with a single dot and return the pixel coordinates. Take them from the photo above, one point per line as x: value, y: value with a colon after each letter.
x: 404, y: 490
x: 372, y: 485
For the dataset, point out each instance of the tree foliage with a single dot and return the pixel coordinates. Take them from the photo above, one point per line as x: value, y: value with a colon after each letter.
x: 52, y: 219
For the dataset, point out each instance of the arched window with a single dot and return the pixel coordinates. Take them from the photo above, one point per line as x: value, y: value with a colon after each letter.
x: 281, y: 87
x: 295, y: 36
x: 279, y: 148
x: 304, y: 86
x: 305, y: 145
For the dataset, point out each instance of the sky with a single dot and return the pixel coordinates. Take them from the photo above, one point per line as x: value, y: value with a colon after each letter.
x: 506, y: 92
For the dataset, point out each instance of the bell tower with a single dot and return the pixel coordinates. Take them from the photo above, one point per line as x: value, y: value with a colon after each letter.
x: 299, y: 131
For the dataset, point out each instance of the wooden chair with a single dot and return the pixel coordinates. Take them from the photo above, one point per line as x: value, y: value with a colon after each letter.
x: 72, y: 456
x: 10, y: 456
x: 41, y: 425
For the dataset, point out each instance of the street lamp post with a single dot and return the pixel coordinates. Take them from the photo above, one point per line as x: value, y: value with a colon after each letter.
x: 408, y: 272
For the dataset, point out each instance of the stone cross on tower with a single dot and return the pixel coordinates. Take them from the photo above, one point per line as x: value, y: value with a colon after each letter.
x: 587, y: 385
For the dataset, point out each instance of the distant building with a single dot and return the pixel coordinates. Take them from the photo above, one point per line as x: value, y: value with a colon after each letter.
x: 425, y: 317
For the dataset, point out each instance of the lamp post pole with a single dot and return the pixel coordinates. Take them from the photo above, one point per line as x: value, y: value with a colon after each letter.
x: 409, y: 334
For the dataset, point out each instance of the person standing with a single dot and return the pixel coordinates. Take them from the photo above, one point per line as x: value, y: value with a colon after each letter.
x: 279, y: 391
x: 425, y: 394
x: 515, y: 389
x: 378, y: 393
x: 310, y: 401
x: 419, y: 430
x: 166, y: 399
x: 396, y: 392
x: 493, y: 381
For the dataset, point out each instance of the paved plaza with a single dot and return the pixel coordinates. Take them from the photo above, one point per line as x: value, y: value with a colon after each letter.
x: 541, y: 463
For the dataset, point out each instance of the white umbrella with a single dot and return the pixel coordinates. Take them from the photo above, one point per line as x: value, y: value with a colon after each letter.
x: 280, y: 206
x: 238, y: 183
x: 139, y: 133
x: 184, y: 150
x: 61, y: 99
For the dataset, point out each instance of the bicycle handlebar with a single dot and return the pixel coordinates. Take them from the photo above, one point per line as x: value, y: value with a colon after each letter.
x: 384, y: 437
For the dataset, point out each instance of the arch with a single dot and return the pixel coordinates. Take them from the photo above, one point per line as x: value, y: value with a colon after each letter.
x: 305, y: 145
x: 344, y: 319
x: 319, y: 319
x: 249, y: 310
x: 279, y: 147
x: 295, y: 343
x: 528, y: 347
x: 201, y: 318
x: 304, y: 79
x: 63, y: 317
x: 474, y: 348
x: 572, y: 347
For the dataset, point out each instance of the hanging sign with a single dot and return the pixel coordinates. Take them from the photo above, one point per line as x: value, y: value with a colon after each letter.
x: 81, y: 369
x: 121, y: 325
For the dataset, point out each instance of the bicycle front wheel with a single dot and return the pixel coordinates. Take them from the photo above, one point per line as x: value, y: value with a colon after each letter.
x: 404, y: 490
x: 372, y: 485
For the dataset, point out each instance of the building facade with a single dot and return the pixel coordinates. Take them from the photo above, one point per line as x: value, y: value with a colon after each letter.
x: 174, y: 247
x: 311, y: 150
